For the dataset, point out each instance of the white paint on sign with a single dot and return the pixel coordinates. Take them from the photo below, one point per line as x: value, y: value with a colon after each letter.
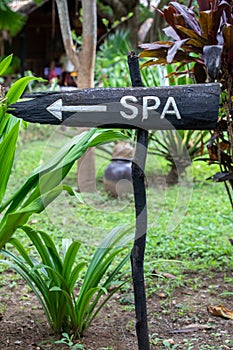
x: 132, y: 108
x: 57, y: 108
x: 170, y: 103
x: 146, y: 107
x: 131, y: 111
x: 169, y: 108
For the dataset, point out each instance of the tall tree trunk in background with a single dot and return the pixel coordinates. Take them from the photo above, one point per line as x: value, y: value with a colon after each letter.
x: 86, y: 165
x: 133, y: 25
x: 84, y: 65
x: 89, y: 39
x: 63, y: 14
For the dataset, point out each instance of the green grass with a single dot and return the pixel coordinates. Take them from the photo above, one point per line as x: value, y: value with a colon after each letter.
x: 188, y: 225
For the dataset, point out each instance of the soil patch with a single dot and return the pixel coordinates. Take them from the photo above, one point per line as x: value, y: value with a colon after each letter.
x: 180, y: 319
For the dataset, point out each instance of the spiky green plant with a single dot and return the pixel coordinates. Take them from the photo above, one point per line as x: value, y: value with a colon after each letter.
x: 179, y: 148
x: 71, y: 301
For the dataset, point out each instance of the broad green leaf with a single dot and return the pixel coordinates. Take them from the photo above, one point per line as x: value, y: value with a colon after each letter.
x: 81, y: 308
x: 107, y: 283
x: 108, y: 136
x: 74, y: 275
x: 14, y: 220
x: 61, y: 162
x: 55, y: 291
x: 18, y: 88
x: 66, y: 242
x: 7, y: 122
x: 48, y: 242
x: 22, y: 251
x: 11, y: 21
x: 70, y: 259
x: 7, y: 153
x: 4, y: 119
x: 4, y: 64
x: 93, y: 313
x: 104, y: 254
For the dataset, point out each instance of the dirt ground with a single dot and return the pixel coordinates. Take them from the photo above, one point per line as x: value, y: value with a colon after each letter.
x: 180, y: 320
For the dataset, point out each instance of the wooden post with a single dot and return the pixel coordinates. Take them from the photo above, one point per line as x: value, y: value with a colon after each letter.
x: 137, y: 253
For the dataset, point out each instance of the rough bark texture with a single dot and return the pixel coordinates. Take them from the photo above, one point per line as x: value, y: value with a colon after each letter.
x: 138, y: 250
x: 64, y: 20
x: 89, y: 39
x: 133, y: 25
x: 86, y: 177
x: 197, y: 104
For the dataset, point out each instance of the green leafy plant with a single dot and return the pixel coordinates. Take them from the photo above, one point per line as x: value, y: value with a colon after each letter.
x: 112, y: 68
x: 70, y: 302
x: 69, y: 341
x: 11, y: 21
x: 202, y: 35
x: 45, y: 182
x: 9, y: 125
x: 179, y: 148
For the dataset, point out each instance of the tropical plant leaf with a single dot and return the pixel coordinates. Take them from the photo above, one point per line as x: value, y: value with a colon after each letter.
x: 188, y: 16
x: 173, y: 49
x: 18, y: 88
x: 173, y: 20
x: 156, y: 45
x: 55, y: 283
x: 7, y: 153
x: 11, y: 21
x: 15, y: 219
x: 227, y: 32
x: 199, y: 40
x: 43, y: 185
x: 36, y: 284
x: 5, y: 63
x: 69, y: 259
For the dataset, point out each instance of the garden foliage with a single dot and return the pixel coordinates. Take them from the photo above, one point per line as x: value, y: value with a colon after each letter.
x: 53, y: 276
x: 203, y: 35
x: 179, y: 148
x: 70, y: 292
x: 45, y: 182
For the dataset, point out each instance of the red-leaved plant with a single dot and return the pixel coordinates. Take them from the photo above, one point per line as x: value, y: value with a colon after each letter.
x: 202, y: 34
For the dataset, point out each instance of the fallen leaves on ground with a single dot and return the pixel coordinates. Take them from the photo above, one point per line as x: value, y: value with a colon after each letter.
x: 220, y: 310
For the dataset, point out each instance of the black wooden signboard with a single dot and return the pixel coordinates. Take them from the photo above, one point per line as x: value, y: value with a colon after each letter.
x: 192, y: 107
x: 188, y: 107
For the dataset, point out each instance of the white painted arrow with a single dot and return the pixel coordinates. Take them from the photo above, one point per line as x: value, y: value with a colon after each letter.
x: 56, y: 109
